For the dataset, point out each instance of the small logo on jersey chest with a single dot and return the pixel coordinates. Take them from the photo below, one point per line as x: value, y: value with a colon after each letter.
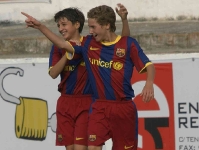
x: 120, y: 52
x: 117, y: 66
x: 94, y: 48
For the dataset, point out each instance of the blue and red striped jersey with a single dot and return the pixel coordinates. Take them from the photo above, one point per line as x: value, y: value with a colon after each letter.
x: 74, y: 77
x: 110, y: 66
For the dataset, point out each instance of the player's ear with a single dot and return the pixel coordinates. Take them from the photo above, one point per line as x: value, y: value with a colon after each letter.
x: 77, y: 25
x: 107, y: 26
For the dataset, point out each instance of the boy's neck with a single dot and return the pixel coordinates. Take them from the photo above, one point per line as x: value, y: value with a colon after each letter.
x: 110, y: 37
x: 75, y: 37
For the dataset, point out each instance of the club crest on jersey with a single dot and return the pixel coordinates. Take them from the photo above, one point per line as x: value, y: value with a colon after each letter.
x: 82, y: 63
x: 92, y: 138
x: 59, y: 137
x: 120, y: 52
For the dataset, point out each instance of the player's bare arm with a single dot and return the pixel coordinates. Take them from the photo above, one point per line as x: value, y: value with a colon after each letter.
x: 148, y: 90
x: 58, y: 68
x: 58, y: 41
x: 122, y: 12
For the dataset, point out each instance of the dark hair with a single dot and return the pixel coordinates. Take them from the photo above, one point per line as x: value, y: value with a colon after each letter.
x: 104, y: 15
x: 72, y: 14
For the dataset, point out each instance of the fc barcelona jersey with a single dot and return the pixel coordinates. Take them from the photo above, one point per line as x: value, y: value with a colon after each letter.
x: 110, y: 66
x: 74, y: 77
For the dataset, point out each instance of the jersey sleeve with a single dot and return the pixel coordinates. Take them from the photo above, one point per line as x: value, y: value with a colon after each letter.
x: 55, y: 56
x: 140, y: 60
x: 77, y: 50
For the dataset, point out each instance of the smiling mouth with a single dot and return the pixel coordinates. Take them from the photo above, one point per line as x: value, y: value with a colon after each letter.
x: 95, y: 35
x: 63, y: 33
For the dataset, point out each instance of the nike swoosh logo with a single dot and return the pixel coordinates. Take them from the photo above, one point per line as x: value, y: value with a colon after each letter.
x: 93, y: 48
x: 127, y: 147
x: 77, y: 139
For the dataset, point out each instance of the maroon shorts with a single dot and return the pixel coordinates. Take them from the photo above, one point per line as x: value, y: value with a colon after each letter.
x: 116, y: 120
x: 72, y: 119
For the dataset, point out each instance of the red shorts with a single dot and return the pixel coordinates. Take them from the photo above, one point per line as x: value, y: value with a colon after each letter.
x: 72, y: 119
x: 116, y: 120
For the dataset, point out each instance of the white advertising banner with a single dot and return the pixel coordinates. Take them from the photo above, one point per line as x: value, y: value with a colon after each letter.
x: 27, y: 107
x: 28, y: 98
x: 186, y: 103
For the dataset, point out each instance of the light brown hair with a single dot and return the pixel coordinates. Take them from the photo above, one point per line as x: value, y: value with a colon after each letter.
x: 104, y: 15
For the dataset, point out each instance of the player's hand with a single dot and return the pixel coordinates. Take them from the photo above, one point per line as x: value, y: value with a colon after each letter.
x: 31, y: 22
x: 147, y: 92
x: 121, y: 11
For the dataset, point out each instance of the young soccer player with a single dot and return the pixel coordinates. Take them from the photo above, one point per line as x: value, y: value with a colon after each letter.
x: 75, y: 100
x: 110, y: 60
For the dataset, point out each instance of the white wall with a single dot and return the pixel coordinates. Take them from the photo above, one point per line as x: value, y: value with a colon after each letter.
x: 137, y: 8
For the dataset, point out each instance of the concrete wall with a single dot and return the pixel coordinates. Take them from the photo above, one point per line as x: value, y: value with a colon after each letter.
x: 140, y: 10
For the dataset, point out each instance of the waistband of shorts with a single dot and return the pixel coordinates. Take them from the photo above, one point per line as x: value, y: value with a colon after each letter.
x: 76, y: 96
x: 113, y: 101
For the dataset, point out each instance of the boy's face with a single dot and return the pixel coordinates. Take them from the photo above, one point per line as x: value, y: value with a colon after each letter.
x: 67, y: 29
x: 98, y: 31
